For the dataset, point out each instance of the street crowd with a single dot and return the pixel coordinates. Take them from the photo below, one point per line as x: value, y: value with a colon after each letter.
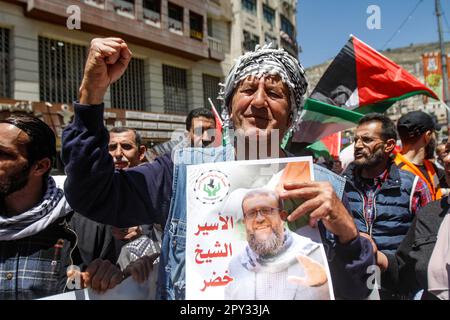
x: 115, y: 214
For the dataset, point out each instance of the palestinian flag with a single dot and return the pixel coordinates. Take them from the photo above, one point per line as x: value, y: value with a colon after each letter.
x: 359, y: 80
x: 218, y: 139
x: 328, y: 148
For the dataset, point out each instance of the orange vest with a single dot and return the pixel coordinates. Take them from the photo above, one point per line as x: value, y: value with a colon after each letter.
x: 431, y: 179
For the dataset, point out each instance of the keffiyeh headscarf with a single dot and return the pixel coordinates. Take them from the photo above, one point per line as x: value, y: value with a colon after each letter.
x: 52, y: 207
x: 265, y: 61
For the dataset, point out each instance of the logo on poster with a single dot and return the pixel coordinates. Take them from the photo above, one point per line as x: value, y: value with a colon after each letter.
x: 211, y: 187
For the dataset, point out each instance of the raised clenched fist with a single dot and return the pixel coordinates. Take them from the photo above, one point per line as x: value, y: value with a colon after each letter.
x: 107, y: 60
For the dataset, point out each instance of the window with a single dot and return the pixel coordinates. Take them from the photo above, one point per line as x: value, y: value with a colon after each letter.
x: 249, y: 5
x: 96, y: 3
x: 154, y: 5
x: 287, y: 27
x: 175, y: 18
x: 5, y: 84
x: 128, y: 92
x: 60, y: 70
x: 269, y: 15
x: 124, y: 8
x: 152, y: 12
x: 211, y: 90
x: 209, y: 21
x: 250, y: 41
x: 175, y: 90
x: 196, y: 25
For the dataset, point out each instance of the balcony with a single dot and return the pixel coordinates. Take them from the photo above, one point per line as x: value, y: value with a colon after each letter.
x: 96, y: 3
x: 216, y: 49
x: 124, y: 8
x: 176, y: 26
x: 152, y: 18
x: 138, y: 32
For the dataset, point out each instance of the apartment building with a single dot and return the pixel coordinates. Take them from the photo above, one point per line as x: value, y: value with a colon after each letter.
x: 264, y: 21
x: 182, y: 50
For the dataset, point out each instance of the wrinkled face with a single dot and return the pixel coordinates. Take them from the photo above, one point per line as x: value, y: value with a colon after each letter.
x: 264, y: 225
x: 369, y: 146
x: 202, y: 132
x: 122, y: 147
x: 14, y: 167
x: 261, y: 105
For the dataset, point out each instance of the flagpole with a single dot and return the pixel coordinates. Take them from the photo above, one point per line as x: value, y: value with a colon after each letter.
x: 443, y: 60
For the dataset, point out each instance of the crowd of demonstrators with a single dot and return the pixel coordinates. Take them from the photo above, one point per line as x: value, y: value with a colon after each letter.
x: 262, y: 94
x: 383, y: 199
x: 420, y: 265
x: 118, y: 212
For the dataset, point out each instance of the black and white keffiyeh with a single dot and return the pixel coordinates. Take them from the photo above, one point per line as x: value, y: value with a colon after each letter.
x: 52, y: 207
x: 262, y: 62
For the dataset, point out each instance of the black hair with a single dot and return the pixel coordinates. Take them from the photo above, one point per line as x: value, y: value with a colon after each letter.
x: 196, y: 113
x: 42, y: 140
x: 388, y: 129
x: 137, y: 139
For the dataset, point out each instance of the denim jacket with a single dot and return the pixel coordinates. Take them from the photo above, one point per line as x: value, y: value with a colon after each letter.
x: 171, y: 277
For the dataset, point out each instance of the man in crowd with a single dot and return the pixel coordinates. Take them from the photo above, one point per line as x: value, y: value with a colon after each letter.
x: 200, y: 125
x: 118, y: 245
x: 417, y: 133
x: 383, y: 199
x: 262, y: 95
x: 277, y: 264
x: 126, y: 147
x: 36, y: 243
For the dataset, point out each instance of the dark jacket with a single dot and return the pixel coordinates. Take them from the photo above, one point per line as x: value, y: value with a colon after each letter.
x: 35, y: 267
x: 122, y: 198
x: 95, y: 241
x: 407, y: 269
x: 392, y: 207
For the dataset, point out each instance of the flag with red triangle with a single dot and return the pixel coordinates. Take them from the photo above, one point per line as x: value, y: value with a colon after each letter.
x: 359, y: 80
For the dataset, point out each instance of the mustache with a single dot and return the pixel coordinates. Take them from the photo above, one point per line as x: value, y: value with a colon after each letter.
x: 121, y: 159
x: 257, y: 113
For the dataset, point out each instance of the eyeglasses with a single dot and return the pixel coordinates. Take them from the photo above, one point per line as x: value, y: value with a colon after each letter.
x: 366, y: 140
x: 265, y: 212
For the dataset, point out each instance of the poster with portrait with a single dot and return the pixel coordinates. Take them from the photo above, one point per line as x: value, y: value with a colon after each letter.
x: 238, y: 243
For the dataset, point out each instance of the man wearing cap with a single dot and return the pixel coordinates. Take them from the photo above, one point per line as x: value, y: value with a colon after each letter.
x: 263, y: 95
x: 417, y: 133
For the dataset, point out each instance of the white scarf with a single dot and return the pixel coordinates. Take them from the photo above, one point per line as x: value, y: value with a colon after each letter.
x: 439, y: 265
x: 38, y: 218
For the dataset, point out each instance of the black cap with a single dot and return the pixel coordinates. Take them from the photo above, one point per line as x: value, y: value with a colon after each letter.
x: 417, y: 122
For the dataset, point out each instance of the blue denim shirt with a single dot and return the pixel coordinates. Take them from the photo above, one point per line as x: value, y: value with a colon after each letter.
x: 171, y: 277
